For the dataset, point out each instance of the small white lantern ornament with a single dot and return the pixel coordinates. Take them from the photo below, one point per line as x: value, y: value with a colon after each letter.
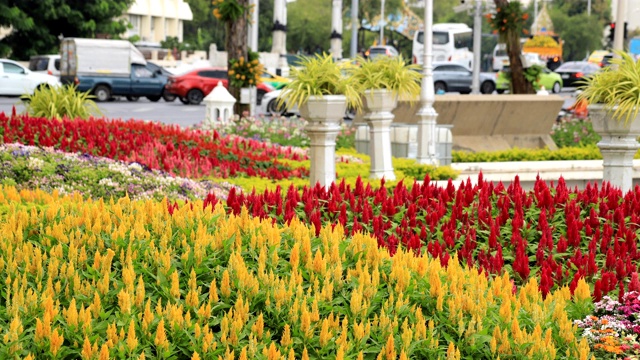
x: 219, y: 105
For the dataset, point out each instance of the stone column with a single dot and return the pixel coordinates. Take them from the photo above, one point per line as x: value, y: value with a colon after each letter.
x: 336, y: 29
x: 323, y: 115
x: 617, y: 160
x: 380, y: 103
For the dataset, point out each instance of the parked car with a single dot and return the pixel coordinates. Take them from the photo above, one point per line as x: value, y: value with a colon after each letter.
x: 448, y: 77
x: 549, y: 79
x: 574, y: 72
x: 597, y: 56
x: 48, y: 64
x: 16, y: 80
x: 193, y: 86
x: 277, y: 81
x: 381, y: 50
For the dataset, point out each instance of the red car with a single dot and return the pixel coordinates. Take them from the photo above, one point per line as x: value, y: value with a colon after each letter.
x: 193, y: 86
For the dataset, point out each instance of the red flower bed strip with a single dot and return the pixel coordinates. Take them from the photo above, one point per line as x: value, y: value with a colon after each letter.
x: 178, y: 151
x: 552, y: 233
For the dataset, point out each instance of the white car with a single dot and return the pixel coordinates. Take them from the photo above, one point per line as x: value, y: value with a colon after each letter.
x: 16, y: 80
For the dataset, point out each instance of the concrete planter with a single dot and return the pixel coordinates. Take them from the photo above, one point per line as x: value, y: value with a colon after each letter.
x: 323, y: 115
x: 378, y: 106
x: 618, y: 146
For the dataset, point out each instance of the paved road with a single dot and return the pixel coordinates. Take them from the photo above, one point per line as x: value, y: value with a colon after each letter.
x: 143, y: 109
x: 168, y: 113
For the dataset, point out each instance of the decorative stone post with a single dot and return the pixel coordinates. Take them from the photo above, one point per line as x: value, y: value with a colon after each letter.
x: 336, y: 30
x: 323, y: 115
x: 279, y: 45
x: 379, y: 104
x: 219, y: 105
x: 428, y: 115
x: 618, y: 146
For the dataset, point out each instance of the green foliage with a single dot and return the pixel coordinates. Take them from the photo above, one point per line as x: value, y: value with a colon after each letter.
x: 172, y: 42
x: 577, y: 32
x: 317, y: 76
x: 228, y: 10
x: 574, y: 134
x: 587, y: 152
x: 37, y: 24
x: 508, y: 19
x: 388, y: 73
x: 57, y: 102
x: 616, y: 86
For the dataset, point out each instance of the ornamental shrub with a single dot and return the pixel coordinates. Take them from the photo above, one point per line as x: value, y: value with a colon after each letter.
x: 58, y: 102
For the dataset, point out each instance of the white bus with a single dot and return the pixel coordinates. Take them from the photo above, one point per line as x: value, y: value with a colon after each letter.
x: 452, y: 42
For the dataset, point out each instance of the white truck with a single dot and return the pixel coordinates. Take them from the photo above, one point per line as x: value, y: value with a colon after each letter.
x: 108, y: 68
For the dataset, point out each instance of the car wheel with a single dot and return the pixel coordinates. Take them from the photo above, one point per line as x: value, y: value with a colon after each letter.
x: 260, y: 95
x: 133, y: 98
x: 274, y: 109
x: 500, y: 91
x: 184, y: 100
x: 195, y: 96
x: 102, y: 93
x: 439, y: 86
x: 556, y: 88
x: 168, y: 97
x: 487, y: 87
x: 154, y: 98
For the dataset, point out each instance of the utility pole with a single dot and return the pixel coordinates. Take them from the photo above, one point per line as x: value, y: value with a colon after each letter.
x: 477, y: 39
x: 354, y: 29
x: 381, y: 21
x: 618, y: 35
x: 588, y: 7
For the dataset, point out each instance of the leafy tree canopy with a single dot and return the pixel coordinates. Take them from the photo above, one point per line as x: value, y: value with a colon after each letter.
x: 38, y: 24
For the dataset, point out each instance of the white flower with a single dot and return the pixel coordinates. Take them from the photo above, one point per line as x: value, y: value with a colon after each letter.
x: 107, y: 182
x: 35, y: 163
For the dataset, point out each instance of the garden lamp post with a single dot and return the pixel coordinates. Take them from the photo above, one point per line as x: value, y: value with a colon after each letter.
x: 336, y: 30
x: 427, y: 114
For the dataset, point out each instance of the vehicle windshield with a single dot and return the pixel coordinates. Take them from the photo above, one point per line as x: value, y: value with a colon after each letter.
x: 439, y: 37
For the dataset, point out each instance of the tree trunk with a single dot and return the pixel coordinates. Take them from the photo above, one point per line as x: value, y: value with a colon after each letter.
x: 519, y: 84
x: 236, y: 44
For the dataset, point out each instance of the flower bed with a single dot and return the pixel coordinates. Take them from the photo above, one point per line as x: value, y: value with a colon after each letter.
x: 97, y: 280
x: 552, y: 233
x: 30, y: 167
x: 180, y: 152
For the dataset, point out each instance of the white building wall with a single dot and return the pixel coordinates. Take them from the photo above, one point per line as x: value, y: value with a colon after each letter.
x: 158, y: 19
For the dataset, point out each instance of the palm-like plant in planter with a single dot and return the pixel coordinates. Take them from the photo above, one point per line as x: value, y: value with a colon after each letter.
x: 322, y: 89
x: 613, y: 95
x: 384, y: 80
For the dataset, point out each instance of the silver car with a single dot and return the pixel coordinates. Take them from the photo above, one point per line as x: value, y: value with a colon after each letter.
x: 449, y: 77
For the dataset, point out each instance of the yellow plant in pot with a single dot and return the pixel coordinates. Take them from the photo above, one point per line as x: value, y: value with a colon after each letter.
x: 318, y: 76
x: 616, y: 88
x: 389, y: 73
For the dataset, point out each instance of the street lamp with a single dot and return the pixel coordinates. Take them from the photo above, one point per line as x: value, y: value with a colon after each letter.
x: 427, y: 114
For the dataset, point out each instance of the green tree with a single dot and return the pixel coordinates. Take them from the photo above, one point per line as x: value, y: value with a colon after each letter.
x: 308, y: 25
x: 37, y: 25
x: 577, y: 34
x: 204, y: 29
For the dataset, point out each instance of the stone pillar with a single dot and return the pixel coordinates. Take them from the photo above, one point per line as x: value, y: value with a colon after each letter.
x: 617, y: 160
x: 336, y: 30
x: 323, y: 115
x: 279, y: 45
x: 380, y: 103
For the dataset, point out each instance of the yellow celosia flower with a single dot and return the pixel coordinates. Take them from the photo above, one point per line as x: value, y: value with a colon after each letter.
x: 55, y: 341
x: 132, y: 340
x: 389, y: 349
x: 225, y: 286
x: 104, y: 353
x: 161, y: 337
